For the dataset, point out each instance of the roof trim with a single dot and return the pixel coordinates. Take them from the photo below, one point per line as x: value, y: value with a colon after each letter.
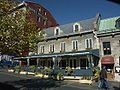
x: 94, y: 52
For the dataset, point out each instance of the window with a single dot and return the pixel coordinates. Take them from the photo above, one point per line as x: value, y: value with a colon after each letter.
x: 118, y: 23
x: 44, y: 22
x: 57, y: 31
x: 38, y: 19
x: 51, y: 48
x: 106, y: 48
x: 75, y: 45
x: 76, y: 27
x: 42, y: 49
x: 89, y: 43
x: 39, y: 9
x: 62, y: 47
x: 45, y: 13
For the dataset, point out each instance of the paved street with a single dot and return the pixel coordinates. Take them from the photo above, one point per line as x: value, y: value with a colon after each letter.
x: 14, y: 81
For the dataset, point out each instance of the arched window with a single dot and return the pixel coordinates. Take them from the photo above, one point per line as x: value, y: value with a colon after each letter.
x: 76, y: 27
x: 57, y: 31
x: 118, y: 23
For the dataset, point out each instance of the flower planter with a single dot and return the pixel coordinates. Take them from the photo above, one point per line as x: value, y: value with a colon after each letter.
x: 10, y: 70
x: 23, y: 72
x: 45, y: 76
x: 72, y: 77
x: 86, y: 81
x: 39, y: 75
x: 31, y: 73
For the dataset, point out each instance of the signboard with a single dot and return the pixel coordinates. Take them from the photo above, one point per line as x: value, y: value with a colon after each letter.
x: 117, y: 69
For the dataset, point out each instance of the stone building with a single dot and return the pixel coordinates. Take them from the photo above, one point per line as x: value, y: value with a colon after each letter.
x: 75, y: 45
x: 81, y: 45
x: 109, y: 38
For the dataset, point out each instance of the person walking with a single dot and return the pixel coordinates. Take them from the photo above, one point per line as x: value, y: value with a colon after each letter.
x: 103, y: 79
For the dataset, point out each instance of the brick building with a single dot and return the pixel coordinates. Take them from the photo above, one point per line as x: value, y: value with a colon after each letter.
x: 39, y: 14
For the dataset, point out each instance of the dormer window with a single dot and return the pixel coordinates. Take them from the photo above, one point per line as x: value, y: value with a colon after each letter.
x: 57, y: 31
x: 76, y: 27
x: 118, y: 23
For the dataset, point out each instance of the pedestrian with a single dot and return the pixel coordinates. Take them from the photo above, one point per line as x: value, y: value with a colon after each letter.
x: 103, y: 79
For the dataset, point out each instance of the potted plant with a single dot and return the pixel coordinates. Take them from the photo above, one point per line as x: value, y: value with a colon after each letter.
x: 60, y: 76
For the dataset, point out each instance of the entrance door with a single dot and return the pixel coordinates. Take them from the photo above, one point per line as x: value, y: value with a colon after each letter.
x: 109, y: 68
x: 63, y: 63
x: 83, y: 63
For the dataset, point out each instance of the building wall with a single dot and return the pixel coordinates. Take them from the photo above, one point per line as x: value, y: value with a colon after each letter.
x: 115, y: 52
x: 68, y: 43
x: 38, y: 11
x: 115, y: 46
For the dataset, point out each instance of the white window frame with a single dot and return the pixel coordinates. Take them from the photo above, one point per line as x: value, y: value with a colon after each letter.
x: 76, y: 48
x: 39, y: 19
x: 53, y: 49
x: 74, y: 29
x: 57, y: 28
x: 42, y: 50
x: 89, y: 46
x: 62, y: 44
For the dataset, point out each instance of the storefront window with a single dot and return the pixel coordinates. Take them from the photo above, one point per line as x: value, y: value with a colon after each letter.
x: 106, y: 48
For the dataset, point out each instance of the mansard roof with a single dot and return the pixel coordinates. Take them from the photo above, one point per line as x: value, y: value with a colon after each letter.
x: 108, y: 25
x: 67, y: 29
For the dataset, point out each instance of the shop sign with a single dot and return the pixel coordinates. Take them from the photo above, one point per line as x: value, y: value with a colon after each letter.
x: 107, y: 60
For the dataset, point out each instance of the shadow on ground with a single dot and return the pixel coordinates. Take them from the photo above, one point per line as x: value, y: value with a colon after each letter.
x: 116, y: 88
x: 34, y: 84
x: 4, y: 86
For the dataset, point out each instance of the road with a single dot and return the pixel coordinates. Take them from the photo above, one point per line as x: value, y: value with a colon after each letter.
x: 14, y: 81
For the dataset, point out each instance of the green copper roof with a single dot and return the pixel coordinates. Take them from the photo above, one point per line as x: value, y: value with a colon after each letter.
x: 108, y: 25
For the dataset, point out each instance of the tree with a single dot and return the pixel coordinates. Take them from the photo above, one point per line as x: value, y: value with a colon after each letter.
x: 18, y: 33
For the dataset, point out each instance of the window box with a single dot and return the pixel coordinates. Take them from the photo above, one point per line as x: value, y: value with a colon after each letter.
x: 62, y: 51
x: 88, y: 48
x: 51, y: 52
x: 74, y: 49
x: 41, y: 53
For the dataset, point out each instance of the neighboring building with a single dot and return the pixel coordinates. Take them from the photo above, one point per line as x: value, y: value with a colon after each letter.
x: 109, y: 38
x: 39, y: 14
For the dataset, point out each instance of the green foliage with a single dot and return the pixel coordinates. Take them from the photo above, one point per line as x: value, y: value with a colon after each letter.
x: 60, y: 74
x: 18, y: 33
x: 96, y: 72
x: 47, y: 71
x: 32, y: 68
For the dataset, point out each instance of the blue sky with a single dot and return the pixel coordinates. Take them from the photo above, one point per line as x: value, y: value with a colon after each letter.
x: 68, y: 11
